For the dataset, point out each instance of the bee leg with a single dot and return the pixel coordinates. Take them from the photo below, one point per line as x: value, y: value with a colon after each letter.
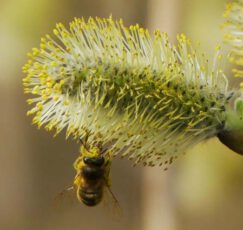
x: 61, y: 194
x: 66, y: 190
x: 108, y: 185
x: 112, y: 194
x: 116, y: 204
x: 77, y: 162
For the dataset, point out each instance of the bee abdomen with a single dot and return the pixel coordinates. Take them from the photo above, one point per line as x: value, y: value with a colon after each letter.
x: 92, y: 173
x: 91, y: 198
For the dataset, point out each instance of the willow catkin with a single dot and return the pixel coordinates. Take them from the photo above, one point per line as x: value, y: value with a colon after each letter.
x: 233, y: 134
x: 234, y: 35
x: 132, y: 92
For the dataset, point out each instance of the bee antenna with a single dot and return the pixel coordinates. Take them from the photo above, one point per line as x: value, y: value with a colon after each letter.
x: 103, y: 151
x: 84, y: 143
x: 108, y: 145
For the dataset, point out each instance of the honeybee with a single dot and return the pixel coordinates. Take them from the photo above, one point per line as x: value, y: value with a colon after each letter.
x: 92, y: 180
x: 92, y: 175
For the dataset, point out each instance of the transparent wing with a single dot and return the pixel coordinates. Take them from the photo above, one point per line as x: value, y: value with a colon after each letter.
x: 111, y: 204
x: 66, y: 197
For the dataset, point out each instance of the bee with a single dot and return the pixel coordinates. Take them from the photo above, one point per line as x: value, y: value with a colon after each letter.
x: 92, y: 182
x: 92, y: 174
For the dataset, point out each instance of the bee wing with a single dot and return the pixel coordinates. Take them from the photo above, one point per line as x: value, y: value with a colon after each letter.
x: 111, y: 204
x: 67, y: 194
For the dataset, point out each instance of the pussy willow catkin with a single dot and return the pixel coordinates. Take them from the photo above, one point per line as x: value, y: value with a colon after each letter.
x: 232, y: 137
x: 234, y: 35
x: 131, y: 91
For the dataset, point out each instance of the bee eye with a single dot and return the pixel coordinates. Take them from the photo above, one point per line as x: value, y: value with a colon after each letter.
x: 98, y: 161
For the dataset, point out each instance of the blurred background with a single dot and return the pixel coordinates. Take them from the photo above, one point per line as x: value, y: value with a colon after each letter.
x: 202, y: 190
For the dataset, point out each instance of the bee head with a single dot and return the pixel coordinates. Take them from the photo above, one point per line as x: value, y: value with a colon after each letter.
x: 94, y: 161
x: 93, y: 157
